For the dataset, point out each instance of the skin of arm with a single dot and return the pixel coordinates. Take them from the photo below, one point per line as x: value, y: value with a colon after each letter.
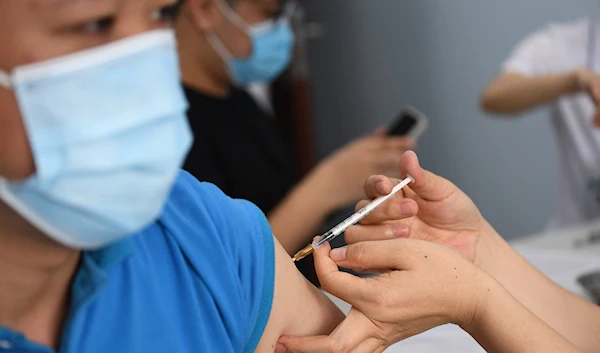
x: 514, y: 93
x: 502, y: 324
x: 570, y: 315
x: 299, y: 308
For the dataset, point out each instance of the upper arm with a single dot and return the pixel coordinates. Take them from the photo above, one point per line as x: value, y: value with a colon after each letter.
x: 253, y: 291
x: 539, y: 69
x: 298, y: 309
x: 287, y: 303
x: 530, y: 58
x: 553, y: 50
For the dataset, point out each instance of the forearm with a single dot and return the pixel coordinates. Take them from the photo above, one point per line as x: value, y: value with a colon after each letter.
x: 297, y: 218
x: 513, y: 93
x: 502, y: 324
x: 568, y: 314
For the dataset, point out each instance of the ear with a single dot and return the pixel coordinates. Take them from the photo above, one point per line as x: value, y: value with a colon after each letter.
x: 205, y: 15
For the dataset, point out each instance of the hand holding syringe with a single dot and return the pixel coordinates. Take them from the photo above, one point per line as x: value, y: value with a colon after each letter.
x: 350, y: 221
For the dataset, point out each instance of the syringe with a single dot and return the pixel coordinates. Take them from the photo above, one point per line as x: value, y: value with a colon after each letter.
x: 350, y: 221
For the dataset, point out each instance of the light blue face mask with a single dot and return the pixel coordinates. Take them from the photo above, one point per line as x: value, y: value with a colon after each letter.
x: 272, y: 46
x: 108, y: 132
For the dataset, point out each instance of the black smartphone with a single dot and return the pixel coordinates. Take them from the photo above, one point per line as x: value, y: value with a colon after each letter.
x: 409, y: 122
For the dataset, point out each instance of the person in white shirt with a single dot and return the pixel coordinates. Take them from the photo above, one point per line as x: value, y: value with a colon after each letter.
x: 559, y: 65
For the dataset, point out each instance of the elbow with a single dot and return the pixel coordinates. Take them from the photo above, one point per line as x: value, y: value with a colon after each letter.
x: 503, y: 97
x: 494, y: 101
x: 490, y: 102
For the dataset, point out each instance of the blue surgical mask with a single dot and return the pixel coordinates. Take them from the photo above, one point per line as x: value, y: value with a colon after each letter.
x: 272, y: 46
x: 108, y: 132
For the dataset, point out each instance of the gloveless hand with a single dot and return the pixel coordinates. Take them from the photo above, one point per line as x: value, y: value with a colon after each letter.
x: 423, y: 285
x: 443, y: 213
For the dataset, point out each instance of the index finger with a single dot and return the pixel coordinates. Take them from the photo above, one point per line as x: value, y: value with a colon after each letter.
x: 394, y: 209
x: 345, y: 286
x: 379, y: 185
x: 397, y: 254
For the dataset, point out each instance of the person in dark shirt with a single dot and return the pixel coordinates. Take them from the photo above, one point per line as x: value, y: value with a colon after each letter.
x: 237, y: 146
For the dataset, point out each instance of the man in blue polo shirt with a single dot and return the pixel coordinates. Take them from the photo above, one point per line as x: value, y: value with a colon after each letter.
x: 105, y: 246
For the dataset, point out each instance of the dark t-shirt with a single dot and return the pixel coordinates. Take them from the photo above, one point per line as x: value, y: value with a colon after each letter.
x: 238, y: 148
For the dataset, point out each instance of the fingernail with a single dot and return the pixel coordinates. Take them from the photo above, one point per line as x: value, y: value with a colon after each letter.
x: 338, y: 254
x: 380, y: 187
x: 400, y: 230
x: 405, y: 209
x: 280, y: 348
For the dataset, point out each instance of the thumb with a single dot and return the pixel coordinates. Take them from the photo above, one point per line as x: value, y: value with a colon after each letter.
x: 393, y: 254
x: 427, y: 185
x: 345, y: 286
x: 280, y: 348
x: 316, y: 344
x: 350, y: 334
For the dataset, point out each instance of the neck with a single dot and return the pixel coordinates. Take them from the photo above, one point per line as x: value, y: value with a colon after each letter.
x: 35, y: 279
x: 201, y: 67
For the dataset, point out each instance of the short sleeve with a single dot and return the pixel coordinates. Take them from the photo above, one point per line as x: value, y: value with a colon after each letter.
x: 530, y: 56
x: 230, y: 249
x: 551, y: 50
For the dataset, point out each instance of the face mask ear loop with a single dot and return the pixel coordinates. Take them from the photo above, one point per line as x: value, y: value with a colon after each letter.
x: 233, y: 17
x: 223, y: 52
x: 5, y: 80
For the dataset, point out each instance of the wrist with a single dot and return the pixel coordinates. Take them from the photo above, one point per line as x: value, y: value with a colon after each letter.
x: 481, y: 304
x: 489, y: 248
x: 579, y: 80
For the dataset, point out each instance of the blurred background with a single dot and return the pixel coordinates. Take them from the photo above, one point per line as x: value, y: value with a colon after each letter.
x: 365, y: 60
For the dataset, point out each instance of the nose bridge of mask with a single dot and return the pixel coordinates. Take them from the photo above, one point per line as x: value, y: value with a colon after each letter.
x: 261, y: 27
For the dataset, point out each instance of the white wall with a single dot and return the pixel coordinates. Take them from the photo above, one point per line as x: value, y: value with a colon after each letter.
x: 378, y: 55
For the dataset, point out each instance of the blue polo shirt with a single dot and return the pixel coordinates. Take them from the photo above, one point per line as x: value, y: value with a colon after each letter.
x: 200, y: 279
